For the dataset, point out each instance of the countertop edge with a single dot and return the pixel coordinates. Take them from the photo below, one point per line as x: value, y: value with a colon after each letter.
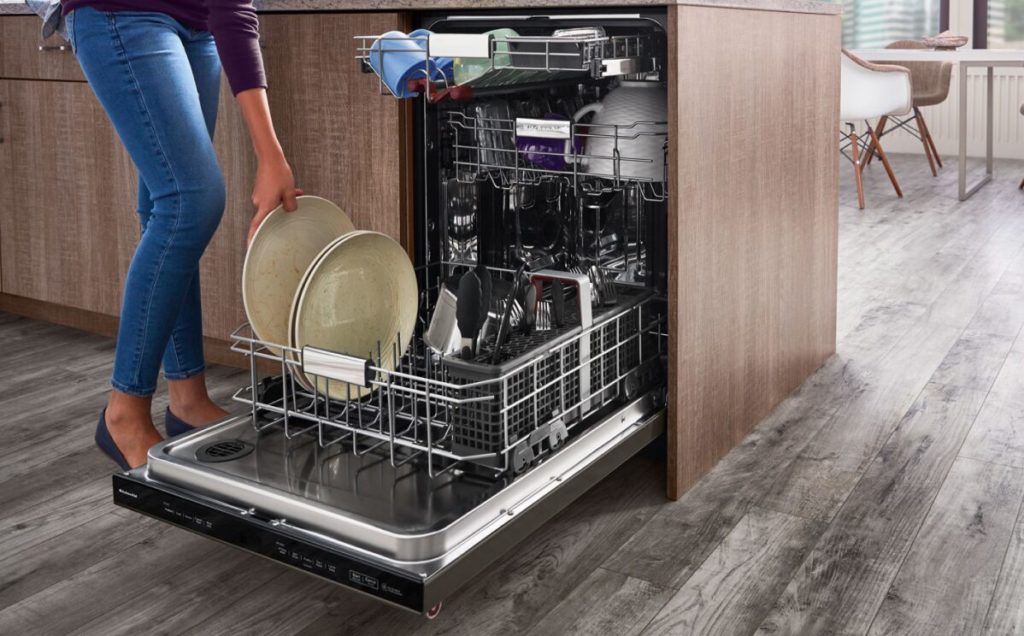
x: 297, y: 6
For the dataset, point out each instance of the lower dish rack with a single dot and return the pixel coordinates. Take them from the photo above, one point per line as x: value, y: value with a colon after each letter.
x: 445, y: 412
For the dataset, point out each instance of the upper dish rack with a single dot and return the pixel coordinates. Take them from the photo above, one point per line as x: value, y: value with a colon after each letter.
x: 495, y: 419
x: 594, y: 158
x: 505, y: 61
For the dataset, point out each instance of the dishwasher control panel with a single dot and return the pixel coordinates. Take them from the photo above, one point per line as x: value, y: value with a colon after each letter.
x: 262, y: 537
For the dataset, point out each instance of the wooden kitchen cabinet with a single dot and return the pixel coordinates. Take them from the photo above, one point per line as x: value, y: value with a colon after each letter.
x: 24, y: 54
x: 67, y: 226
x: 345, y: 141
x: 753, y: 240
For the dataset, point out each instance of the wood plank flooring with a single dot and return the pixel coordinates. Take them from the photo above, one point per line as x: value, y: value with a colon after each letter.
x: 884, y: 496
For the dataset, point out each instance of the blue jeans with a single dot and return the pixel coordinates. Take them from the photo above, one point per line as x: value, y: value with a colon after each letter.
x: 159, y: 82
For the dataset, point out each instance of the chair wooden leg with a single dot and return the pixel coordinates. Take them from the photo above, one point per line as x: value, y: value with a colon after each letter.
x: 855, y: 150
x: 885, y: 161
x: 924, y: 140
x: 870, y: 154
x: 927, y: 134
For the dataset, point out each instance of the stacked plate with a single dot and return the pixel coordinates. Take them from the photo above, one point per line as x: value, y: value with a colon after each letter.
x: 311, y: 279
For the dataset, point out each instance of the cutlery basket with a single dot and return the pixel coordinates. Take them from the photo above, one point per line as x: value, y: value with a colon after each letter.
x: 549, y: 381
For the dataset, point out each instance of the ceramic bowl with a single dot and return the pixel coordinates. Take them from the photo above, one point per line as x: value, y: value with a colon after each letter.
x: 279, y: 255
x: 636, y: 113
x: 360, y: 295
x: 945, y: 41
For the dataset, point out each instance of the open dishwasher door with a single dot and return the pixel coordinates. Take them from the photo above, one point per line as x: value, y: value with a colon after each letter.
x: 545, y: 175
x: 393, y: 533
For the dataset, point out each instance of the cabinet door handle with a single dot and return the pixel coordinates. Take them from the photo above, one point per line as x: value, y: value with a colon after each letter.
x: 54, y: 47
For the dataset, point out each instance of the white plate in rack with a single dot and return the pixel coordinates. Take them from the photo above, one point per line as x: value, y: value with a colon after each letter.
x: 362, y: 291
x: 281, y: 251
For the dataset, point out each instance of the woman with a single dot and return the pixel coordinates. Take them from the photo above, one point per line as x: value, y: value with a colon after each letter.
x: 155, y: 66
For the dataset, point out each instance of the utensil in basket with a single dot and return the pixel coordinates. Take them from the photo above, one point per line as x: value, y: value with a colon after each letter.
x: 557, y: 303
x: 503, y: 326
x: 486, y: 292
x: 543, y: 320
x: 586, y: 318
x: 606, y: 289
x: 442, y: 335
x: 468, y: 312
x: 530, y: 309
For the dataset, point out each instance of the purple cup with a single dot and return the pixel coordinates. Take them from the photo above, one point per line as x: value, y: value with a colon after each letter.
x: 548, y: 154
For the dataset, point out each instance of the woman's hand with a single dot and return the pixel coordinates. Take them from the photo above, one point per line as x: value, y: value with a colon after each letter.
x: 275, y: 186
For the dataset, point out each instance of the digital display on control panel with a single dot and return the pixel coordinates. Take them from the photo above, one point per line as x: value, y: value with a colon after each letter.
x: 257, y: 536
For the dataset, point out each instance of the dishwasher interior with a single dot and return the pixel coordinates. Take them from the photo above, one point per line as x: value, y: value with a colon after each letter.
x: 540, y: 174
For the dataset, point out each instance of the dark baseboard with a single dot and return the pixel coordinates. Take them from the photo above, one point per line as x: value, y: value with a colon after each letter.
x: 217, y: 351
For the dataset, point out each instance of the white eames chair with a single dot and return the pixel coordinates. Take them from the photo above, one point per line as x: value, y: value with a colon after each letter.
x: 870, y: 91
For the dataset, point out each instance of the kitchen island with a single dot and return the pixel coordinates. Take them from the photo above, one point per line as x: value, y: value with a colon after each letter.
x: 752, y: 232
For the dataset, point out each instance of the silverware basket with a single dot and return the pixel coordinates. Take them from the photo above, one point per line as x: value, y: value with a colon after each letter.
x: 550, y: 382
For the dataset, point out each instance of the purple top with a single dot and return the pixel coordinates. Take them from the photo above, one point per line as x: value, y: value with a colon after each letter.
x: 233, y: 24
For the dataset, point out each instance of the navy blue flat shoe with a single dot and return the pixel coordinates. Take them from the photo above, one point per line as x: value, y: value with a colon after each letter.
x: 106, y: 442
x: 176, y: 426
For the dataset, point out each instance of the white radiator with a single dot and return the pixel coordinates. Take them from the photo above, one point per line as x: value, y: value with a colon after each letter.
x: 1008, y: 132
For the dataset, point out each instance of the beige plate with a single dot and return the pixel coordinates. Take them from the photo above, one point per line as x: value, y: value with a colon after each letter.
x: 361, y: 292
x: 294, y: 306
x: 284, y: 246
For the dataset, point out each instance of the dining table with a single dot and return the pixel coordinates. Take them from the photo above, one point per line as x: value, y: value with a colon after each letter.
x: 965, y: 59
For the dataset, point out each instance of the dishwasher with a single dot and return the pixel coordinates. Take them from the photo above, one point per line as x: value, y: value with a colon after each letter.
x: 433, y: 469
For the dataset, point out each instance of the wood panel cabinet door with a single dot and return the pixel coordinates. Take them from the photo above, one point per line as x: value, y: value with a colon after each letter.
x: 342, y: 138
x: 752, y: 240
x: 24, y: 54
x: 67, y: 226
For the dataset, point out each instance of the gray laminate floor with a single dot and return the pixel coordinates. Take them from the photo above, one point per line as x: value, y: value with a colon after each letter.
x: 884, y: 496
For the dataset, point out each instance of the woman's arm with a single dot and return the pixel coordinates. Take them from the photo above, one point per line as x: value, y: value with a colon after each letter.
x: 274, y: 181
x: 235, y: 28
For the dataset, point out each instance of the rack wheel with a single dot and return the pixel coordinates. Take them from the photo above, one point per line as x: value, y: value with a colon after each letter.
x: 434, y: 611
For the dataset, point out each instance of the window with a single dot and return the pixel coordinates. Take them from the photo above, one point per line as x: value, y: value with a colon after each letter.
x: 872, y: 24
x: 1004, y: 24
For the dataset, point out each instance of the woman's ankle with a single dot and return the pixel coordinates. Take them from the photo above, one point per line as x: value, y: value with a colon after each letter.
x: 129, y: 421
x: 190, y: 401
x: 188, y: 393
x: 129, y: 410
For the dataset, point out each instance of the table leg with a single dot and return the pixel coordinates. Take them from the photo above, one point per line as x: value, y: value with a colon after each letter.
x: 965, y: 191
x: 989, y: 123
x: 962, y: 131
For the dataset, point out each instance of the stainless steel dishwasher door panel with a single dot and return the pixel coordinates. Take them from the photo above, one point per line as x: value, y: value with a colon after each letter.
x: 399, y: 514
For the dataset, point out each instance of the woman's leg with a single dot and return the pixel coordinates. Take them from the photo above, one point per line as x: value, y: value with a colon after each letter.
x: 183, y: 361
x: 137, y: 65
x: 183, y: 358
